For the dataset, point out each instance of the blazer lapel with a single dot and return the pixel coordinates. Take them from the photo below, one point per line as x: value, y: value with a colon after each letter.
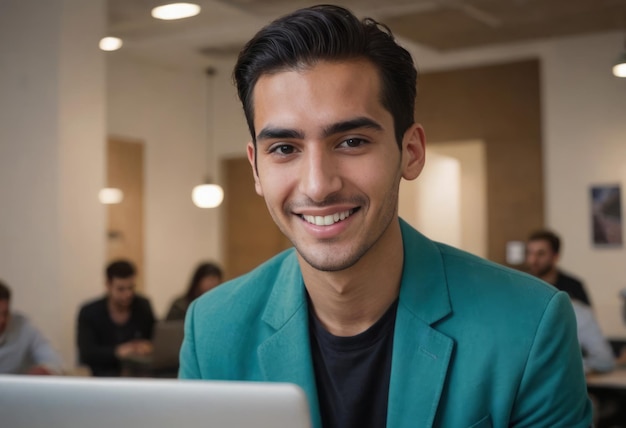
x: 285, y: 356
x: 421, y: 354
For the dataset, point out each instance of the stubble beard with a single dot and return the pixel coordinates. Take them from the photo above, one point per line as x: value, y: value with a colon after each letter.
x: 331, y: 261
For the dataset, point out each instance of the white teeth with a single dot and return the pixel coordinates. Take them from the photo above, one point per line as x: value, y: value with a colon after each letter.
x: 328, y: 219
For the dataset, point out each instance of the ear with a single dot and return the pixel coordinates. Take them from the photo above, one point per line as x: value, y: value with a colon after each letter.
x: 251, y: 158
x: 413, y: 152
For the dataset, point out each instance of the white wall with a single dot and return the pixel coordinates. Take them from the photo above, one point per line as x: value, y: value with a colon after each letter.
x: 471, y: 156
x: 435, y: 204
x: 51, y: 159
x: 448, y: 201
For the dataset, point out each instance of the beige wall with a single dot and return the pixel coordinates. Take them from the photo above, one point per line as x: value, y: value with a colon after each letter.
x: 448, y: 201
x: 52, y: 130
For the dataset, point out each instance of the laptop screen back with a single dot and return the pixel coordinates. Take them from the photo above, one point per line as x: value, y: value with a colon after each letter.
x: 68, y: 402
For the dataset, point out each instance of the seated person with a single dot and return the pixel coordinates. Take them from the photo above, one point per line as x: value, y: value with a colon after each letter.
x: 116, y: 326
x: 597, y: 351
x: 543, y: 251
x: 205, y: 277
x: 23, y: 349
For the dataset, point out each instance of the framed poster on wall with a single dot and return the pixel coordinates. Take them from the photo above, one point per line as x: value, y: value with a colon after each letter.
x: 606, y: 215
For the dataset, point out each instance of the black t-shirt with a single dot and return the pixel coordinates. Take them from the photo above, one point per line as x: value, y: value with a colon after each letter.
x: 352, y: 373
x: 573, y: 287
x: 98, y: 335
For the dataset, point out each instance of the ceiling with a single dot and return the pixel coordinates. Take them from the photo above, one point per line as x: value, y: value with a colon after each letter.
x: 223, y: 26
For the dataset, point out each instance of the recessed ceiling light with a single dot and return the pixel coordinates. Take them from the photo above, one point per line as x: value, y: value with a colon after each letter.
x: 175, y: 11
x: 110, y: 43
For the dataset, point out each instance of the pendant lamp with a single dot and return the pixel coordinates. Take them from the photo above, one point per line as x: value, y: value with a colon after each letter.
x: 208, y: 194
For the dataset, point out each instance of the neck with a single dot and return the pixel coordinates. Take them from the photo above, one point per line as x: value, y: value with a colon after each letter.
x: 551, y: 276
x: 117, y: 309
x: 350, y: 301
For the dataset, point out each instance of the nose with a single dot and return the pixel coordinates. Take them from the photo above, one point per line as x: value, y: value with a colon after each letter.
x: 319, y: 177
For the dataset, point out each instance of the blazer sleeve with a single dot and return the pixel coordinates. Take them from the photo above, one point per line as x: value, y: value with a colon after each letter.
x: 189, y: 367
x: 553, y: 391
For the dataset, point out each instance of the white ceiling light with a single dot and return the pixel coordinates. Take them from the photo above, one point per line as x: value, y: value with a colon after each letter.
x: 110, y: 43
x: 175, y: 11
x: 110, y: 195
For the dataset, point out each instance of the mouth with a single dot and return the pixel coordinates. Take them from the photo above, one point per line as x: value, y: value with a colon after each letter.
x: 327, y: 220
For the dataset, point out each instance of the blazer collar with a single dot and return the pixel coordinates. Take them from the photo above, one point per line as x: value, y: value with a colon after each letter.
x: 285, y: 356
x: 421, y: 354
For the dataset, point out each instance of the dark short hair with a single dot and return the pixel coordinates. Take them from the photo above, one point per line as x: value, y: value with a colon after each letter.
x: 329, y: 33
x: 548, y: 236
x: 120, y: 269
x: 5, y: 291
x: 202, y: 271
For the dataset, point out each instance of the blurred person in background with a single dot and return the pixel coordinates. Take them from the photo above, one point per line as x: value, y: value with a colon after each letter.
x: 23, y: 349
x: 117, y: 326
x: 597, y: 352
x: 543, y: 249
x: 206, y: 277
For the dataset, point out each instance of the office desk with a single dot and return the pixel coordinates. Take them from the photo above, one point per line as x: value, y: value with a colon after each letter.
x: 608, y: 392
x: 612, y: 380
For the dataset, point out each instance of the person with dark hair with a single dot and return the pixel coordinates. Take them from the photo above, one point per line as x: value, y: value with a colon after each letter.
x: 23, y: 349
x: 206, y: 277
x: 116, y: 326
x: 379, y: 325
x: 543, y: 250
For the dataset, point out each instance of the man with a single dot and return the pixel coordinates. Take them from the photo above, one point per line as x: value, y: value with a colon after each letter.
x: 116, y: 326
x: 542, y: 256
x: 23, y: 349
x: 597, y: 352
x: 379, y: 325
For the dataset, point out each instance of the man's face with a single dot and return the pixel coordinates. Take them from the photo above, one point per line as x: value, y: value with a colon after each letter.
x: 4, y: 315
x: 121, y: 291
x: 540, y: 258
x: 328, y: 164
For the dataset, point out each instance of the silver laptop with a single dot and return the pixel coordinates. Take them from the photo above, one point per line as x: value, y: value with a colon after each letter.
x: 70, y: 402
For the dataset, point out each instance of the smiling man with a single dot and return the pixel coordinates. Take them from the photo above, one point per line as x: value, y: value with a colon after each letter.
x: 379, y: 325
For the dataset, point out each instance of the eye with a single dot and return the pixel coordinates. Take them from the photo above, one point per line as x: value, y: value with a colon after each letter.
x: 282, y: 149
x: 353, y: 142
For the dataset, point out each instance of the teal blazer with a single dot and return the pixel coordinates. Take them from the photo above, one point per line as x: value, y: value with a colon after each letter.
x: 475, y: 344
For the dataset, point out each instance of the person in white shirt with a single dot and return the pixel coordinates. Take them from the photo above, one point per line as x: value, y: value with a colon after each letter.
x: 23, y: 349
x: 597, y: 352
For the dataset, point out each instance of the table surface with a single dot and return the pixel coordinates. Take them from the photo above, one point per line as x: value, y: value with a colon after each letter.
x: 614, y: 379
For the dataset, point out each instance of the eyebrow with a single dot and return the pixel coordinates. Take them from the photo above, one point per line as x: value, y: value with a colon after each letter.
x: 350, y: 125
x: 270, y: 132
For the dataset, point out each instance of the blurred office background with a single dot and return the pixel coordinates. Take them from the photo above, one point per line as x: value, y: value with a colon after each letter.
x: 521, y: 111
